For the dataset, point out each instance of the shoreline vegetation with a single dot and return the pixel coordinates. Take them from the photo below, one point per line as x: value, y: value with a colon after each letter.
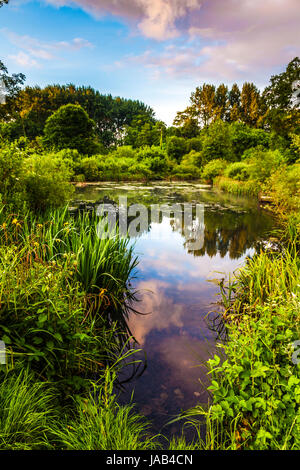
x: 65, y: 294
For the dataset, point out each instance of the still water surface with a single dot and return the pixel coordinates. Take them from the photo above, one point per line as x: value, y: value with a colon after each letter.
x: 177, y: 289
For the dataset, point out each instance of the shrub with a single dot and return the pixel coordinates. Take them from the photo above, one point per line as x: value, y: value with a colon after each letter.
x: 89, y: 167
x: 239, y: 188
x: 213, y: 169
x: 193, y: 158
x: 12, y: 189
x: 47, y: 182
x: 70, y: 127
x: 284, y: 188
x: 126, y: 151
x: 244, y: 137
x: 176, y: 148
x: 237, y: 171
x: 262, y: 163
x: 194, y: 144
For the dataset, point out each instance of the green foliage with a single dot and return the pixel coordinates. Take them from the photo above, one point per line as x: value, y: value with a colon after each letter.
x: 194, y: 144
x: 12, y: 190
x: 63, y: 291
x: 278, y: 94
x: 237, y: 171
x: 144, y: 131
x: 154, y: 158
x: 255, y: 384
x: 262, y: 163
x: 33, y: 105
x: 70, y: 127
x: 46, y: 180
x: 217, y: 143
x: 90, y: 168
x: 284, y: 188
x: 244, y: 137
x: 213, y: 169
x: 176, y: 148
x: 258, y: 381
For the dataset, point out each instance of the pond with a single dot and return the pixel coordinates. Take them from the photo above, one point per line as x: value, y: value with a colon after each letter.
x: 177, y: 285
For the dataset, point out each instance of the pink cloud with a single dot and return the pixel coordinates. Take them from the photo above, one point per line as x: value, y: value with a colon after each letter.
x: 154, y: 18
x: 36, y: 49
x: 224, y: 39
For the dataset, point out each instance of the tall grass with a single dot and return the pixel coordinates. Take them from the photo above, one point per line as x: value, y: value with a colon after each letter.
x: 239, y: 188
x: 103, y: 267
x: 26, y: 406
x: 99, y: 423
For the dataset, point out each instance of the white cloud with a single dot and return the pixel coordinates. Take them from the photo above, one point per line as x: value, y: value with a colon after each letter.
x: 33, y: 48
x: 24, y: 60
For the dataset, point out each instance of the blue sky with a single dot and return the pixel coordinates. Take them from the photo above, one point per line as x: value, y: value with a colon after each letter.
x: 157, y: 51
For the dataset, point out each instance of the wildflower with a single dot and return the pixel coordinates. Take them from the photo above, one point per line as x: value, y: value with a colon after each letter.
x: 4, y: 225
x: 15, y: 221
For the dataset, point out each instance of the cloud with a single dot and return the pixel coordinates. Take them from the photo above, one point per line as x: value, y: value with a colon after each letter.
x: 156, y: 19
x: 24, y: 60
x: 32, y: 48
x: 229, y: 39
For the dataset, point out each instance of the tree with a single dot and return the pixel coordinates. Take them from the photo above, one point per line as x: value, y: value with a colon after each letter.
x: 234, y: 98
x: 283, y: 112
x: 70, y: 127
x: 2, y: 2
x: 144, y: 131
x: 10, y: 86
x: 203, y: 106
x: 250, y: 104
x: 217, y: 142
x: 111, y: 115
x: 278, y: 94
x: 222, y: 102
x: 176, y: 148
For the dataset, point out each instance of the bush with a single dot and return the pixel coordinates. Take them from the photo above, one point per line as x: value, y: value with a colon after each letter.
x: 47, y: 182
x: 193, y: 158
x: 89, y: 167
x: 126, y: 151
x: 262, y: 163
x: 284, y: 188
x: 194, y: 144
x: 244, y: 137
x: 70, y: 127
x: 239, y: 188
x: 213, y: 169
x: 176, y: 148
x: 237, y: 171
x: 12, y: 189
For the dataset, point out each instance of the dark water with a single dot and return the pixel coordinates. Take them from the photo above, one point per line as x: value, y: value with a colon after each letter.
x: 178, y: 289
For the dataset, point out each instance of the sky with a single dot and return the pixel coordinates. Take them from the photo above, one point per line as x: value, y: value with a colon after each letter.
x: 156, y: 51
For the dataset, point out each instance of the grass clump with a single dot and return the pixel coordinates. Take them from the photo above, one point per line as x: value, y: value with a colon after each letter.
x: 26, y: 408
